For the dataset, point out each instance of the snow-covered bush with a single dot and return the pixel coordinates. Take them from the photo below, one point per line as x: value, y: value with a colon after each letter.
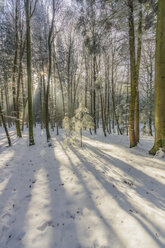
x: 74, y: 126
x: 69, y: 130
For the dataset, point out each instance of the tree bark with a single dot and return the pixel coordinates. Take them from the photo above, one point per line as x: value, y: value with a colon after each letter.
x: 5, y: 126
x: 49, y: 73
x: 29, y: 73
x: 160, y: 81
x: 132, y: 138
x: 137, y: 133
x: 15, y: 70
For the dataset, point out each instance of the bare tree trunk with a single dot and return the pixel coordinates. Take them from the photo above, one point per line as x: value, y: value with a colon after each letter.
x: 132, y: 138
x: 50, y: 40
x: 137, y: 134
x: 61, y: 86
x: 15, y: 70
x: 7, y: 99
x: 47, y: 93
x: 24, y: 100
x: 22, y: 46
x: 113, y: 97
x: 94, y: 93
x: 103, y: 115
x: 68, y: 79
x: 160, y: 81
x: 29, y: 73
x: 86, y: 82
x: 150, y: 97
x: 5, y: 127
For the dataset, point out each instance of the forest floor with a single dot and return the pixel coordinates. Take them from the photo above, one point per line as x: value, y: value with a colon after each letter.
x: 104, y: 195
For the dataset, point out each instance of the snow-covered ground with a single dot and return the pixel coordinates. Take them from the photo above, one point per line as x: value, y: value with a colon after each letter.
x: 103, y: 195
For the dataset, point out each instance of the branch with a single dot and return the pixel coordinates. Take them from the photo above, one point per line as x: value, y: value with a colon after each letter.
x: 32, y: 11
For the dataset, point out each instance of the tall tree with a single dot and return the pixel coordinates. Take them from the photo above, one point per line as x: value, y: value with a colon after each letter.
x: 133, y: 141
x: 138, y: 60
x: 160, y: 80
x: 135, y: 59
x: 29, y: 10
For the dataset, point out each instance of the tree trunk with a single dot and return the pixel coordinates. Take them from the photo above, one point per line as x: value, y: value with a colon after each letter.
x: 81, y: 136
x: 49, y: 72
x: 150, y: 98
x: 160, y: 81
x: 24, y: 99
x: 61, y: 86
x: 5, y: 127
x: 103, y: 115
x: 29, y: 73
x: 132, y: 138
x: 18, y: 91
x: 7, y: 99
x: 15, y: 70
x: 47, y: 95
x: 137, y: 73
x: 113, y: 98
x: 94, y: 93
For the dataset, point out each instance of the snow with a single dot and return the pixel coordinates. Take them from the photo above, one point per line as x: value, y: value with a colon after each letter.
x: 104, y: 195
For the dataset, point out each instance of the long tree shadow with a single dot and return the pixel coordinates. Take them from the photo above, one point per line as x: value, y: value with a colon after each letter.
x: 112, y: 236
x: 22, y: 206
x: 121, y: 198
x: 61, y: 205
x: 145, y: 182
x: 4, y: 142
x: 17, y: 197
x: 123, y: 142
x: 14, y: 199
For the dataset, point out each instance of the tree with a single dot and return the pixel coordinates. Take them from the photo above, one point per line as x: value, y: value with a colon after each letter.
x: 82, y: 120
x: 138, y: 60
x: 160, y: 80
x: 91, y: 31
x: 29, y: 13
x: 4, y: 125
x: 135, y: 67
x: 133, y: 141
x: 15, y: 71
x: 75, y: 125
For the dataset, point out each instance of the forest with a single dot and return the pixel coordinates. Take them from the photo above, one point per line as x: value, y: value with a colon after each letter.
x: 82, y: 123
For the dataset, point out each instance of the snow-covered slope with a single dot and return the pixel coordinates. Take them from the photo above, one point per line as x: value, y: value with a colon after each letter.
x: 101, y: 195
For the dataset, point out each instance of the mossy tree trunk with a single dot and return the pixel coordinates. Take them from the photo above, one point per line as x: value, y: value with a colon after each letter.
x: 160, y: 81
